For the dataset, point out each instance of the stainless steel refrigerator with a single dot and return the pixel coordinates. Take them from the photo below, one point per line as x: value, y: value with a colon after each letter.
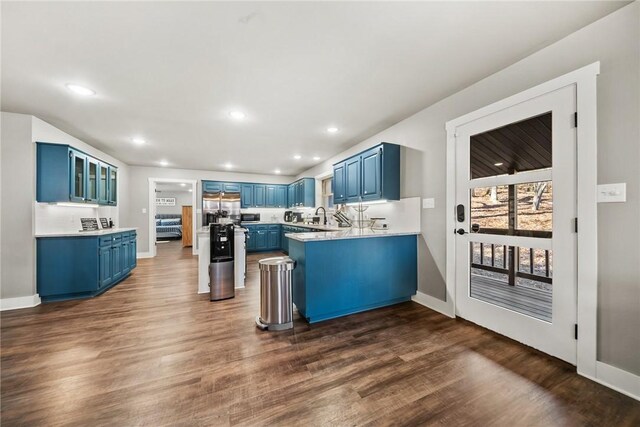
x: 219, y: 204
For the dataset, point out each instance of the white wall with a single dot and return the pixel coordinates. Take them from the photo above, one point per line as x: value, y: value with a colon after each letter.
x: 138, y: 214
x: 18, y: 190
x: 21, y: 215
x: 183, y: 198
x: 614, y: 41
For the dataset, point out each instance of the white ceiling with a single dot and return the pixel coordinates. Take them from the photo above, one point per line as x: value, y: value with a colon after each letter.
x: 171, y: 71
x: 173, y: 187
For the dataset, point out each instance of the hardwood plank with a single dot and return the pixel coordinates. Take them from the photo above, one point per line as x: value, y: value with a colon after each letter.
x: 152, y: 352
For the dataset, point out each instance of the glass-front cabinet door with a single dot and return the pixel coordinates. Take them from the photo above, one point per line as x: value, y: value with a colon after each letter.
x: 113, y: 186
x: 103, y: 184
x: 78, y: 164
x: 92, y: 180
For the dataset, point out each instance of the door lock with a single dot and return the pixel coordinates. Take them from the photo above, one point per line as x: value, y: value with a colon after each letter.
x: 460, y: 231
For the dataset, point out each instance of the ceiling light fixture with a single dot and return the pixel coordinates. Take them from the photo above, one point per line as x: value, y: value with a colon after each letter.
x: 190, y: 190
x: 164, y: 163
x: 277, y: 171
x: 182, y: 184
x: 332, y: 129
x: 238, y: 115
x: 316, y: 158
x: 297, y: 157
x: 80, y: 90
x: 228, y: 165
x: 498, y: 164
x: 139, y: 141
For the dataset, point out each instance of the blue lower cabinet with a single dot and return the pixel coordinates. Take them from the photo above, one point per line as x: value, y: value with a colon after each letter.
x: 264, y: 237
x: 83, y: 266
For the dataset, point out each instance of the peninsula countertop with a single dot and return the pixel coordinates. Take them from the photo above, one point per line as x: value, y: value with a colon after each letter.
x: 101, y: 232
x: 205, y: 230
x: 351, y: 233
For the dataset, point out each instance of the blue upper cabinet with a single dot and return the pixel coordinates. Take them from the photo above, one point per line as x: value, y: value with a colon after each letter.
x: 259, y: 195
x: 231, y: 187
x: 371, y: 175
x: 270, y: 197
x: 246, y: 195
x: 281, y: 196
x: 211, y: 186
x: 302, y: 193
x: 352, y: 175
x: 64, y: 174
x: 338, y: 183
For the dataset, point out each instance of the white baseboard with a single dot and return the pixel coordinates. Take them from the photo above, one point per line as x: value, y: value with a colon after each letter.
x: 433, y: 303
x: 617, y: 379
x: 19, y: 302
x: 140, y: 255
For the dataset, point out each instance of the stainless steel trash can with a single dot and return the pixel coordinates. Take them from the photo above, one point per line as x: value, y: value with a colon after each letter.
x: 276, y: 305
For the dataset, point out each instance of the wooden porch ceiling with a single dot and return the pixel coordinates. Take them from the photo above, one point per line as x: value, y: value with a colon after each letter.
x: 521, y: 146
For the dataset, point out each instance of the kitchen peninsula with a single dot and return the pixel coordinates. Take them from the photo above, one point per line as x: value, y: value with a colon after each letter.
x: 343, y: 272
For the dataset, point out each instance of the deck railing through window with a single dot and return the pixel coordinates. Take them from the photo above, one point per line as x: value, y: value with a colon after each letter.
x: 509, y: 262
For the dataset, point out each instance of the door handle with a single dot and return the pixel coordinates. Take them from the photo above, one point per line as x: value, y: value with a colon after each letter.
x: 460, y: 231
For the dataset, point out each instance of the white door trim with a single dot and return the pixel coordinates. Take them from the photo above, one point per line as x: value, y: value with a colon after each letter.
x: 152, y: 212
x: 585, y: 81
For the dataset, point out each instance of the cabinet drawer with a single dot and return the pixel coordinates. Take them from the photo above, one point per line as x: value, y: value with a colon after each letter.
x: 262, y: 227
x: 274, y: 227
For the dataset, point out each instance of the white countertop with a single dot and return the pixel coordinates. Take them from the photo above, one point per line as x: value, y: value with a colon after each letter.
x: 87, y: 233
x: 351, y: 233
x: 296, y: 224
x: 204, y: 231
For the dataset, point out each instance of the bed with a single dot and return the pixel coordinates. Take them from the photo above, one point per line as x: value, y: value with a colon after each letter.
x: 168, y: 226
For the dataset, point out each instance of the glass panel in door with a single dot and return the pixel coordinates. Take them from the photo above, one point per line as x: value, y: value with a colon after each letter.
x: 113, y: 186
x: 92, y: 181
x: 78, y: 170
x: 103, y: 184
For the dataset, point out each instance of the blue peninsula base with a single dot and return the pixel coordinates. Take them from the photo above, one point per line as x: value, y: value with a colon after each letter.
x: 334, y: 278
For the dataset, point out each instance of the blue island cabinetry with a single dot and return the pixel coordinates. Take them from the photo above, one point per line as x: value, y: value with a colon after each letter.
x: 337, y: 277
x: 71, y: 267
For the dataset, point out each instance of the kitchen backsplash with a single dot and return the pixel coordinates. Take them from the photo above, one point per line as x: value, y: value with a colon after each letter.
x: 50, y: 218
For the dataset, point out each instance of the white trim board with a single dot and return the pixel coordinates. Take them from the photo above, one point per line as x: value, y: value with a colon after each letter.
x: 617, y: 379
x: 585, y: 80
x: 19, y: 302
x: 142, y: 255
x: 432, y: 302
x: 151, y: 209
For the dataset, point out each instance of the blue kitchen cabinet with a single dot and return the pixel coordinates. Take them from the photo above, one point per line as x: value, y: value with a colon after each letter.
x: 373, y: 174
x: 352, y: 175
x: 270, y: 196
x: 303, y: 193
x: 281, y: 196
x: 338, y: 183
x: 246, y: 195
x: 291, y: 195
x: 83, y: 266
x: 251, y: 239
x: 259, y: 195
x: 211, y: 186
x: 103, y: 183
x: 231, y: 187
x: 65, y: 174
x: 261, y: 240
x: 77, y: 183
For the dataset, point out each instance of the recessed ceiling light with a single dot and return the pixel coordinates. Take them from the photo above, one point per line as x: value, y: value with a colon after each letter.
x: 316, y: 157
x: 238, y: 115
x: 182, y: 184
x: 498, y: 164
x: 332, y: 129
x: 297, y: 157
x: 80, y: 90
x: 228, y: 165
x: 277, y: 171
x: 164, y: 163
x: 190, y: 190
x: 139, y: 141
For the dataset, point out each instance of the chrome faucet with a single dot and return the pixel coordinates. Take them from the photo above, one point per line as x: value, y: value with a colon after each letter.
x: 324, y: 214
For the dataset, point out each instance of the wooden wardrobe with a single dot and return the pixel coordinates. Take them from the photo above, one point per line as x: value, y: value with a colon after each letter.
x: 187, y: 226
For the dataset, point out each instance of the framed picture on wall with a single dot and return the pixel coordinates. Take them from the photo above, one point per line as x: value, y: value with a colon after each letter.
x: 165, y: 201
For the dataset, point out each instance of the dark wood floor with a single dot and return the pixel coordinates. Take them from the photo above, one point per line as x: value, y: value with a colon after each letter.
x: 153, y: 352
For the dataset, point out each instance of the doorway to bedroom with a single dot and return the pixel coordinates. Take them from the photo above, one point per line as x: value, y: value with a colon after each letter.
x: 172, y: 216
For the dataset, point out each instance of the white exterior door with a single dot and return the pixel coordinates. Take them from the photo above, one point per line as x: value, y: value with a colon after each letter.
x: 516, y: 265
